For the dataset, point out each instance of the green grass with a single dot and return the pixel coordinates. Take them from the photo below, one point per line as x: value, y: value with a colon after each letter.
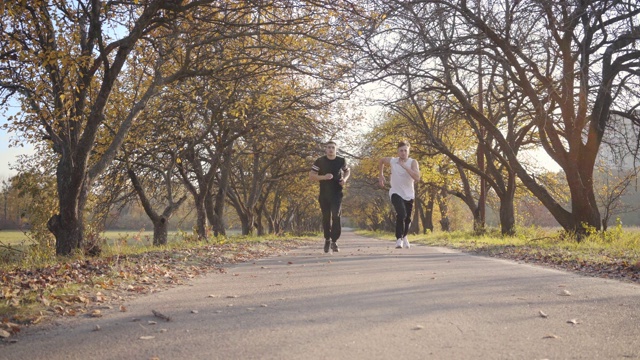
x: 615, y: 245
x: 13, y: 237
x: 18, y: 238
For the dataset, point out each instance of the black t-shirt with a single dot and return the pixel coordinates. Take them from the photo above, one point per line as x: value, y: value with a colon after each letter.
x: 336, y: 167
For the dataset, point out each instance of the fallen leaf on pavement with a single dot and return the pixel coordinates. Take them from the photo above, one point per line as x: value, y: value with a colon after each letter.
x: 161, y: 315
x: 542, y: 314
x: 147, y: 337
x: 572, y: 321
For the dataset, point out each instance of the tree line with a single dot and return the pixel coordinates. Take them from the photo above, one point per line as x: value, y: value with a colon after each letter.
x: 224, y: 103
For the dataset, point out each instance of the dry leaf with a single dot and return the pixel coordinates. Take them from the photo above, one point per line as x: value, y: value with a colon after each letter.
x: 565, y: 293
x: 573, y: 321
x: 161, y: 315
x: 194, y: 311
x: 542, y: 314
x: 96, y: 313
x: 151, y: 322
x: 550, y: 336
x: 418, y: 327
x: 96, y: 328
x: 4, y: 334
x: 44, y: 300
x: 123, y: 308
x: 147, y: 337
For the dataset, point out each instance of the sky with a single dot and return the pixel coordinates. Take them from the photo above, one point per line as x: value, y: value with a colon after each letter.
x: 8, y: 155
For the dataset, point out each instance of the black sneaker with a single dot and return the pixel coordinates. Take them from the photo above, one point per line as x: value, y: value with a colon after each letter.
x: 334, y: 247
x: 327, y: 243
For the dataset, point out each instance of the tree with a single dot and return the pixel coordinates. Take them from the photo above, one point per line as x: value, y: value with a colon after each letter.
x: 613, y: 186
x: 573, y: 62
x: 63, y: 62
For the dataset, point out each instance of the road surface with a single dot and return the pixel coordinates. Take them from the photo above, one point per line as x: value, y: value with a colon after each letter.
x: 369, y: 301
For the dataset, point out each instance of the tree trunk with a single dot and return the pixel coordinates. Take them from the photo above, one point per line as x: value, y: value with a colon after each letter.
x: 201, y: 221
x: 68, y: 230
x: 507, y: 216
x: 584, y: 209
x: 160, y: 222
x: 213, y: 218
x: 160, y: 227
x: 427, y: 217
x: 445, y: 223
x: 259, y: 225
x: 68, y: 225
x: 247, y: 220
x: 220, y: 226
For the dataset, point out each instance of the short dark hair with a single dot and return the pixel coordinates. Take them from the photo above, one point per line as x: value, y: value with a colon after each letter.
x: 331, y: 142
x: 403, y: 143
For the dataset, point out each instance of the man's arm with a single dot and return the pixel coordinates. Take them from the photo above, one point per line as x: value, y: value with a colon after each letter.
x: 414, y: 171
x: 313, y: 176
x: 345, y: 176
x: 383, y: 161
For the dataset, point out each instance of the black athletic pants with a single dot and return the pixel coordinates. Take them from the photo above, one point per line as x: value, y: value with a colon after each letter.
x: 403, y: 214
x: 331, y: 206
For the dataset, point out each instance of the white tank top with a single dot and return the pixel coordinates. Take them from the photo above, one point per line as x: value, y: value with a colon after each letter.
x: 401, y: 181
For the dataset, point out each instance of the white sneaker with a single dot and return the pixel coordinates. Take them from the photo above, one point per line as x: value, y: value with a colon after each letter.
x: 399, y: 244
x: 405, y: 243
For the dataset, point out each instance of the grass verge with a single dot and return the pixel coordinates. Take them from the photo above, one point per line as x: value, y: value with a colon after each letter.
x: 614, y: 254
x: 87, y: 286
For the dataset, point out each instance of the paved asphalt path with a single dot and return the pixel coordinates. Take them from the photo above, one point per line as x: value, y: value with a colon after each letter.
x: 369, y: 301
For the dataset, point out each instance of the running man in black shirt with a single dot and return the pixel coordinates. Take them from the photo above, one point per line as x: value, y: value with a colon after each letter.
x: 332, y: 173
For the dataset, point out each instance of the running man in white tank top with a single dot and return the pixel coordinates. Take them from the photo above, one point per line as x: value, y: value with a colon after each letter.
x: 404, y: 172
